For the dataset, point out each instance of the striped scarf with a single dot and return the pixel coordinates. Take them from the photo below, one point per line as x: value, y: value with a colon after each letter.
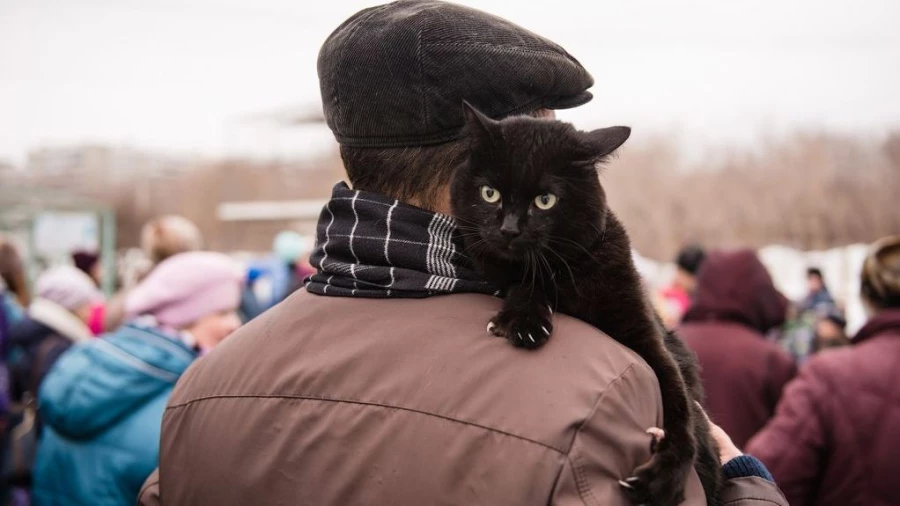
x: 368, y: 245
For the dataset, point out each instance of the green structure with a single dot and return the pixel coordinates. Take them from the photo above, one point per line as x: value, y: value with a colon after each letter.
x: 23, y: 208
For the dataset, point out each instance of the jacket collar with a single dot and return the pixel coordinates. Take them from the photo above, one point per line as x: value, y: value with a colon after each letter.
x: 885, y: 322
x: 58, y: 318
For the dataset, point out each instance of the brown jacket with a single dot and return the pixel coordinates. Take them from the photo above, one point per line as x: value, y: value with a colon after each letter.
x: 834, y: 438
x: 742, y: 373
x: 339, y: 401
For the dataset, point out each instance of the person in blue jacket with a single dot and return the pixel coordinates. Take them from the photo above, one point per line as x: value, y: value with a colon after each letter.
x: 102, y: 402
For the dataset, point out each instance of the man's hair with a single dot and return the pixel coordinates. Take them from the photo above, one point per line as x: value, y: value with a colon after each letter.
x: 814, y: 271
x: 418, y: 174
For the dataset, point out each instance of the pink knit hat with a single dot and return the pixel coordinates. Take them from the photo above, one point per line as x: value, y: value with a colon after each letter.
x: 186, y: 287
x: 68, y: 287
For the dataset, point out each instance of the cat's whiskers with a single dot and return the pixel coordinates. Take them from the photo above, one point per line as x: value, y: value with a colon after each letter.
x: 476, y: 249
x: 569, y: 268
x: 556, y: 238
x: 532, y: 261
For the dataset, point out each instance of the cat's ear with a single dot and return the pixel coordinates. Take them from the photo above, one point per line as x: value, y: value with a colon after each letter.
x: 598, y: 144
x: 478, y: 125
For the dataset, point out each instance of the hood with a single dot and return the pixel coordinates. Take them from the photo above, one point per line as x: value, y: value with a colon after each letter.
x: 60, y: 320
x: 735, y: 286
x: 96, y: 384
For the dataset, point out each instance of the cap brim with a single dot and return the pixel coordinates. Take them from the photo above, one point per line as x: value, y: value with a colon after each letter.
x: 571, y: 101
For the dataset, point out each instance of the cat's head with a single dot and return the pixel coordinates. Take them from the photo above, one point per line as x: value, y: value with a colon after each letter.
x: 530, y: 183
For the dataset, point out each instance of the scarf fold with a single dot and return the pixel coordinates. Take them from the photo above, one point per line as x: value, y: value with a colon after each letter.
x: 371, y: 246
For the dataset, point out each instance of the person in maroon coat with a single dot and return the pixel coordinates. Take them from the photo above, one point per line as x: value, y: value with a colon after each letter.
x: 743, y: 374
x: 835, y: 436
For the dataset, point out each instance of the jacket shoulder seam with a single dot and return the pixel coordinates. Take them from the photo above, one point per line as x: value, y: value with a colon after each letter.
x: 366, y: 403
x: 597, y: 403
x: 581, y: 481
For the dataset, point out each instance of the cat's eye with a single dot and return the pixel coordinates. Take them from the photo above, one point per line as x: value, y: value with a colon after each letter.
x: 490, y: 195
x: 545, y: 201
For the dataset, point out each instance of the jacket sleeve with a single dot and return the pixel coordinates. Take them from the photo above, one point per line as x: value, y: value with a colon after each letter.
x: 791, y: 443
x: 149, y: 495
x: 612, y: 441
x: 751, y: 491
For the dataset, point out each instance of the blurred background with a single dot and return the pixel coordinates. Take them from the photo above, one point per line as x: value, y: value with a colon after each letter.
x: 772, y: 124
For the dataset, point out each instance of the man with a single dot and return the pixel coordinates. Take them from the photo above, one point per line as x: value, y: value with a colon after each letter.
x: 379, y: 384
x: 735, y: 305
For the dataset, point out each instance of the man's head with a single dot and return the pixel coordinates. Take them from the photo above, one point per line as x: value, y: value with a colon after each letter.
x: 393, y: 79
x: 814, y: 279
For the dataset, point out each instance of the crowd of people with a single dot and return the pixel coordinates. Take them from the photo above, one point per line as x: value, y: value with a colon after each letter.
x: 788, y: 385
x: 85, y: 379
x: 206, y: 381
x: 82, y: 413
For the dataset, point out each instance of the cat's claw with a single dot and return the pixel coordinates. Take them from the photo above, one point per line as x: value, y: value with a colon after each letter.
x: 625, y: 485
x: 526, y: 329
x: 658, y: 435
x: 652, y: 485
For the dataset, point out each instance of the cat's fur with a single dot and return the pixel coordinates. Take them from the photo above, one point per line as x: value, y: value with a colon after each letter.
x: 575, y: 257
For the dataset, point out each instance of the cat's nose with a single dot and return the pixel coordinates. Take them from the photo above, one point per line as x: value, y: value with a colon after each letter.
x: 510, y: 227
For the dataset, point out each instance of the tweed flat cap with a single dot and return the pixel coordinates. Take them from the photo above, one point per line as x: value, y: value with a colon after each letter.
x: 396, y: 75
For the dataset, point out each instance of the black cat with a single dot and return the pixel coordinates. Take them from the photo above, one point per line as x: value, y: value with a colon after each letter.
x: 536, y: 223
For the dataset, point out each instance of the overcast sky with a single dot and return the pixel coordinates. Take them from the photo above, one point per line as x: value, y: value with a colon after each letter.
x: 180, y: 74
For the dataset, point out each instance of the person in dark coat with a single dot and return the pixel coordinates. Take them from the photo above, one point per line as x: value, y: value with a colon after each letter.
x: 743, y: 374
x: 55, y: 320
x: 834, y: 439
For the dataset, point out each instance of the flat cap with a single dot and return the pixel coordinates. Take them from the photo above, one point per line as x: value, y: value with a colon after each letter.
x: 396, y: 75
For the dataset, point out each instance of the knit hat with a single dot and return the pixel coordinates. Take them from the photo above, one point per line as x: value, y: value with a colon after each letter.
x: 397, y: 74
x: 186, y: 287
x: 67, y: 286
x: 85, y: 260
x: 881, y: 273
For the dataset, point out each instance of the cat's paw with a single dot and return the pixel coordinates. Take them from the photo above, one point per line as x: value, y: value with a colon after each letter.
x: 523, y: 329
x: 659, y: 482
